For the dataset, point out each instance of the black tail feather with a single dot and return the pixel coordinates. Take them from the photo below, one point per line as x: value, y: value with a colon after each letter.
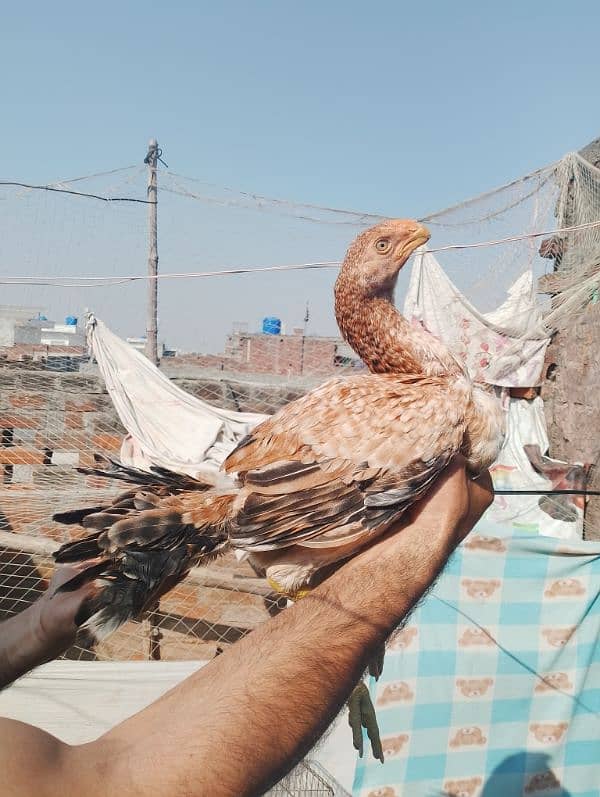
x: 140, y: 546
x: 75, y: 516
x: 79, y: 550
x: 109, y: 468
x: 128, y: 587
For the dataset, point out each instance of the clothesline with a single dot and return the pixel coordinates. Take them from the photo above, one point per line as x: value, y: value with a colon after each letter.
x: 82, y: 281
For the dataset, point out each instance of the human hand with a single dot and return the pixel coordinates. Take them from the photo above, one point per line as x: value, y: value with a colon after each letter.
x: 45, y: 629
x: 53, y: 614
x: 455, y: 502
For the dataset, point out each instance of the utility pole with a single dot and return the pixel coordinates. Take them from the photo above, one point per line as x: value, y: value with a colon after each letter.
x: 151, y: 160
x: 305, y: 325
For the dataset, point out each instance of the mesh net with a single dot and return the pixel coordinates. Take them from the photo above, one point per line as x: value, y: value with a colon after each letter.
x: 307, y: 779
x: 70, y: 237
x: 62, y: 252
x: 86, y: 250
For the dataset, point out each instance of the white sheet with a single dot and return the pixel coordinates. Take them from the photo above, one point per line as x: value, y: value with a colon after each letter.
x: 525, y: 425
x: 166, y: 425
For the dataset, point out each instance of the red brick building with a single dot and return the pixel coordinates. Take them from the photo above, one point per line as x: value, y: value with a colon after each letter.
x: 287, y: 355
x: 282, y: 355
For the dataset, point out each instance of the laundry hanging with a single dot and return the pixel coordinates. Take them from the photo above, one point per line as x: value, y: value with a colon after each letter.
x: 505, y: 347
x: 167, y: 426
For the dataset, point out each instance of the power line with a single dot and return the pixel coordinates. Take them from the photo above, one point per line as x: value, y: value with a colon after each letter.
x: 68, y: 282
x: 63, y: 282
x: 75, y: 193
x: 512, y: 238
x: 97, y: 174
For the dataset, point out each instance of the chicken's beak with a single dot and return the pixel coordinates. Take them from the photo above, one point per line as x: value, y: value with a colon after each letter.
x: 417, y: 238
x: 420, y: 237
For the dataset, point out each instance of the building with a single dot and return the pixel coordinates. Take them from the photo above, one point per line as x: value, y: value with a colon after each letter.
x: 282, y: 355
x: 27, y: 335
x: 13, y: 318
x: 288, y: 355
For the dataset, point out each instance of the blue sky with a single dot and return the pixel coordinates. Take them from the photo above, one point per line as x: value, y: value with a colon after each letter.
x: 391, y: 107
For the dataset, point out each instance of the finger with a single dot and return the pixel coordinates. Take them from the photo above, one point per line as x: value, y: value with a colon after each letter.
x: 376, y: 662
x: 62, y: 575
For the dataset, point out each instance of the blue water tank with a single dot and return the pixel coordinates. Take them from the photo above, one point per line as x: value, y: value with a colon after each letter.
x: 71, y: 321
x: 271, y: 326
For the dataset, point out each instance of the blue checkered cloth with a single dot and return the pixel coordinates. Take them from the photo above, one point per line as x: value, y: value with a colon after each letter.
x: 492, y: 689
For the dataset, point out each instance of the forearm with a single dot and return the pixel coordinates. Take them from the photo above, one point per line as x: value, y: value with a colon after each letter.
x: 243, y: 721
x: 240, y: 723
x: 235, y: 727
x: 21, y: 646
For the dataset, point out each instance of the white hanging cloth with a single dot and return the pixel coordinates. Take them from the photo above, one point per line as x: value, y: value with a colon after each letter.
x: 167, y: 426
x: 552, y: 515
x: 505, y: 347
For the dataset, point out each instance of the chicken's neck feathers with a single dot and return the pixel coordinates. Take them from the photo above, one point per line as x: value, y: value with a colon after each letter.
x: 385, y: 340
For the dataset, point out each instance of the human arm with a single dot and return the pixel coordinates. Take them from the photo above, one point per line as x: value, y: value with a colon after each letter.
x: 240, y: 723
x: 43, y: 630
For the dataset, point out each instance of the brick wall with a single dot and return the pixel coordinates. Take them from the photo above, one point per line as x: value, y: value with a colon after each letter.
x: 49, y: 424
x: 52, y: 423
x: 288, y: 355
x: 572, y: 401
x: 275, y: 355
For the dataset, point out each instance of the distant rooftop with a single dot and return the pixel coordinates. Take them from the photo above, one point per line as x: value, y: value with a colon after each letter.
x: 18, y: 313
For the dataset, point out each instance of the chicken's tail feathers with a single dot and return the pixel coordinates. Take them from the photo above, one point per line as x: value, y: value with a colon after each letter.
x: 126, y: 588
x: 79, y: 550
x: 109, y: 468
x: 75, y: 516
x: 145, y: 491
x: 136, y: 557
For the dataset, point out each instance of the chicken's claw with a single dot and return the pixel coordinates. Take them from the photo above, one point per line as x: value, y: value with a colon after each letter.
x: 361, y: 714
x: 376, y: 663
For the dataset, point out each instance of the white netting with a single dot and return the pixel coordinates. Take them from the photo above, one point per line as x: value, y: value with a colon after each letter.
x: 309, y: 779
x: 52, y: 421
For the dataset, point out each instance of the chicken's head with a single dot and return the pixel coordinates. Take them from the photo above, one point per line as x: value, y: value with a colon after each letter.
x: 376, y: 256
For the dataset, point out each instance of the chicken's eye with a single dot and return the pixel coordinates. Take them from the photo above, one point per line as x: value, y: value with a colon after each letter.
x: 383, y: 245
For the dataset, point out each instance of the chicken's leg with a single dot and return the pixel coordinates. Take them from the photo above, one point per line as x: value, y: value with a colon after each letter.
x: 361, y: 711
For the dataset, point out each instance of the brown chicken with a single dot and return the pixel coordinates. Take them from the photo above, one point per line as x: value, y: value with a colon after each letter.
x: 321, y: 479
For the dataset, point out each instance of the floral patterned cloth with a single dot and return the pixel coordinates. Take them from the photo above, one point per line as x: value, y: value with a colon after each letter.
x: 505, y: 347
